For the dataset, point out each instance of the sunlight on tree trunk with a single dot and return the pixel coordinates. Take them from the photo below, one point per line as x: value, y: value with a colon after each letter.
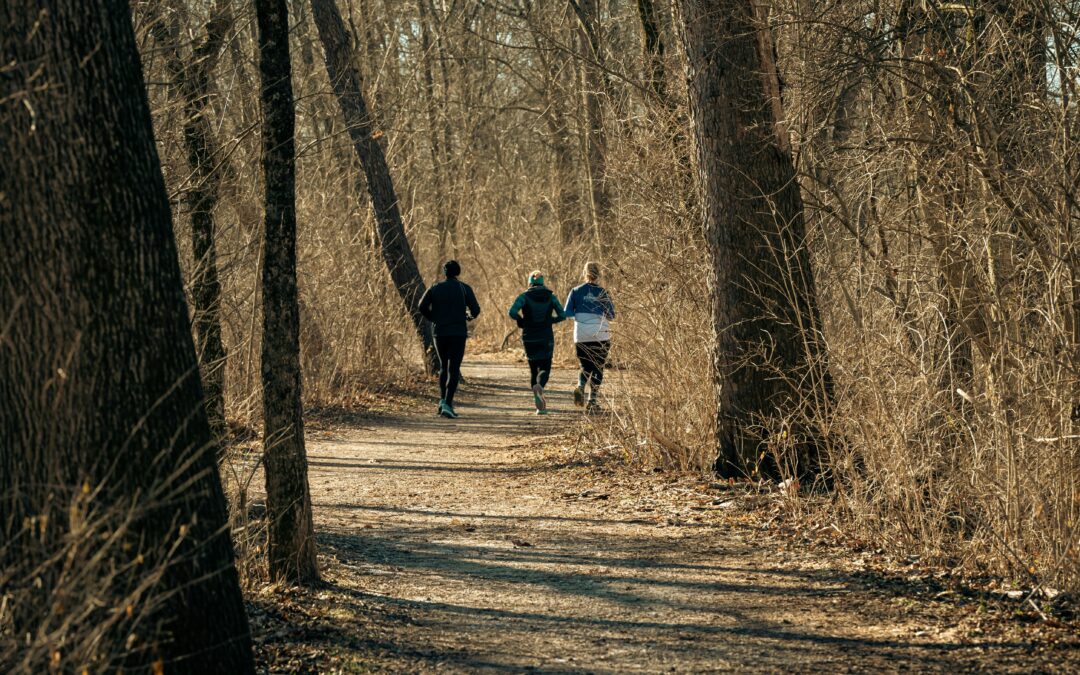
x: 769, y: 356
x: 396, y: 250
x: 288, y: 500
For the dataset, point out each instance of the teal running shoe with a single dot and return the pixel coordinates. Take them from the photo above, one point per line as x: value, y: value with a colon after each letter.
x: 538, y: 398
x: 447, y: 411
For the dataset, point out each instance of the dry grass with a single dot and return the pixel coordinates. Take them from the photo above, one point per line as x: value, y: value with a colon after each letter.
x: 991, y: 481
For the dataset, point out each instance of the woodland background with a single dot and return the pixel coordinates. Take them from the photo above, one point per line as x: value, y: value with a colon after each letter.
x: 935, y: 145
x: 935, y: 149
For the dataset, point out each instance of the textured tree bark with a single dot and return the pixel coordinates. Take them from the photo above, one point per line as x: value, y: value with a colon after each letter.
x: 770, y: 360
x: 288, y: 498
x: 396, y: 251
x: 99, y: 387
x: 594, y: 86
x: 192, y: 82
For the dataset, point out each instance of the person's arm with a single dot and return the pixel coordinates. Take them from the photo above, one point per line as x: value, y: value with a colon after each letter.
x: 515, y: 309
x: 470, y: 300
x: 425, y: 304
x: 571, y: 306
x: 560, y: 315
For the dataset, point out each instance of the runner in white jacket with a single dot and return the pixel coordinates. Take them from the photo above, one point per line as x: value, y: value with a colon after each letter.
x: 591, y: 308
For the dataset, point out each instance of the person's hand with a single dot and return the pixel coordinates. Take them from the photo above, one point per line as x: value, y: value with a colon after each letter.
x: 520, y: 322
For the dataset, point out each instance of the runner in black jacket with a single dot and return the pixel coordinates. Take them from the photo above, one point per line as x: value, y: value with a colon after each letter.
x: 535, y: 311
x: 449, y: 305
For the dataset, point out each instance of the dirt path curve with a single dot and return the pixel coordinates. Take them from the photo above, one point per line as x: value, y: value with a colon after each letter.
x: 453, y: 546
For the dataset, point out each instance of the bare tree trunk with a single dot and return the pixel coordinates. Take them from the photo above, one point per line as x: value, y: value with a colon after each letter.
x: 443, y: 213
x: 593, y: 83
x: 652, y: 48
x: 288, y: 498
x: 567, y: 189
x: 398, y: 255
x: 963, y: 311
x: 100, y: 397
x: 568, y: 199
x: 769, y: 355
x: 192, y: 83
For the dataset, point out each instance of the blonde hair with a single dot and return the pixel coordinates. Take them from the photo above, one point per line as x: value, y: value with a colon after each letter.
x: 536, y: 275
x: 592, y: 271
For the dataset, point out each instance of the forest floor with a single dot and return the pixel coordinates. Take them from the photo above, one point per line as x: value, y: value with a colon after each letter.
x: 492, y: 544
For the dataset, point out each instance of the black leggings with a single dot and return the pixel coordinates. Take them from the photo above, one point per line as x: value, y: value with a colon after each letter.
x: 593, y: 358
x: 539, y: 370
x: 451, y: 350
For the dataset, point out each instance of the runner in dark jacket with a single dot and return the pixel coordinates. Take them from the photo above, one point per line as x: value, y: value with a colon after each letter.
x: 536, y: 311
x: 449, y: 305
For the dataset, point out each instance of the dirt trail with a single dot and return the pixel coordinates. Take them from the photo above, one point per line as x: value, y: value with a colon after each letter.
x: 454, y: 546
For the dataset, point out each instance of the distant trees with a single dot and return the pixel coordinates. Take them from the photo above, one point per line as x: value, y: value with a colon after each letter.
x: 652, y: 48
x: 288, y: 500
x: 191, y: 82
x: 594, y: 90
x: 109, y: 492
x: 769, y: 356
x: 348, y: 87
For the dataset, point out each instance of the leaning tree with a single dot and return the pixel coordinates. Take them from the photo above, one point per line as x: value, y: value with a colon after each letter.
x: 348, y: 87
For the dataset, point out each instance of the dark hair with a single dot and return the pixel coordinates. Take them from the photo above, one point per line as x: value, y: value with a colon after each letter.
x: 451, y: 269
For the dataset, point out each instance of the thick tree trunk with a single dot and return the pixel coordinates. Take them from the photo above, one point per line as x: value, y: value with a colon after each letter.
x: 100, y: 399
x: 288, y: 498
x: 396, y: 251
x: 769, y: 354
x: 192, y: 82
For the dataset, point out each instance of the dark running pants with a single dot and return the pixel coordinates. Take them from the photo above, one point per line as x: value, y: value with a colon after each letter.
x: 451, y: 350
x: 539, y: 355
x: 539, y: 370
x: 593, y: 358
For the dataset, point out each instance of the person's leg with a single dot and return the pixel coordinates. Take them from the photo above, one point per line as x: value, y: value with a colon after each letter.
x: 540, y: 369
x: 599, y: 360
x: 597, y: 353
x: 455, y: 354
x: 583, y: 374
x: 538, y: 353
x: 442, y: 351
x: 587, y: 356
x: 545, y: 371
